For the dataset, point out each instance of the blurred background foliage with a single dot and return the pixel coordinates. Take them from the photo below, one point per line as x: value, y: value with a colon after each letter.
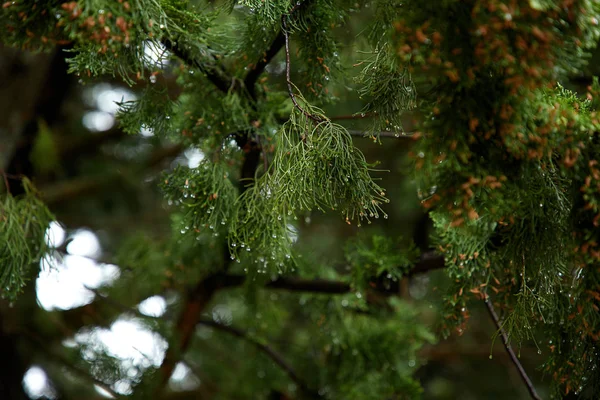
x: 96, y: 321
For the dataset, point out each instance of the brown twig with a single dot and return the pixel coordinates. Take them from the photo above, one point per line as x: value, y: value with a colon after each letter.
x: 272, y: 354
x: 509, y: 350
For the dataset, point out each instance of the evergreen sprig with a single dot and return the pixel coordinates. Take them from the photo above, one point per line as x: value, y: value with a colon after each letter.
x: 383, y: 258
x: 23, y: 224
x: 388, y: 89
x: 153, y: 110
x: 204, y: 194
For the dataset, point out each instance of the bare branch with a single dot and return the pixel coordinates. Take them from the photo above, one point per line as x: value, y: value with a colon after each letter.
x: 509, y: 350
x: 272, y: 354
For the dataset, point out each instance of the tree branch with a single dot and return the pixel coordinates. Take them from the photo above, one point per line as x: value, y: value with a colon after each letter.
x: 354, y: 116
x: 196, y: 300
x: 429, y: 261
x: 509, y: 350
x: 272, y: 354
x: 271, y: 52
x: 214, y: 73
x: 259, y: 67
x: 384, y: 134
x: 67, y: 190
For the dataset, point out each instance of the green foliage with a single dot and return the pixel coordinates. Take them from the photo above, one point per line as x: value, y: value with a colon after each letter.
x: 383, y: 257
x: 388, y: 89
x: 152, y: 111
x: 315, y: 166
x: 388, y: 351
x: 44, y: 155
x: 506, y: 161
x: 204, y: 194
x: 317, y: 48
x: 23, y: 223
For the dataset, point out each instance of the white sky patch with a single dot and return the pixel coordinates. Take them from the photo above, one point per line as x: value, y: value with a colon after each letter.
x: 146, y: 132
x: 154, y: 306
x: 62, y: 285
x: 106, y: 97
x: 222, y: 314
x: 55, y: 234
x: 128, y: 340
x: 155, y: 54
x: 292, y: 232
x: 194, y: 157
x: 123, y: 387
x: 36, y: 385
x: 98, y: 121
x: 84, y: 243
x: 183, y: 379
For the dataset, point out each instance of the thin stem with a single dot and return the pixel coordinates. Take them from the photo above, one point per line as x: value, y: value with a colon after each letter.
x: 6, y: 185
x: 274, y: 48
x: 383, y: 134
x: 354, y: 116
x: 264, y: 153
x: 287, y: 69
x: 269, y: 352
x: 509, y: 350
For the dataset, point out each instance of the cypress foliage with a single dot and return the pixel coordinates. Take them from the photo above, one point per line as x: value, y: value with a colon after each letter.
x: 505, y: 157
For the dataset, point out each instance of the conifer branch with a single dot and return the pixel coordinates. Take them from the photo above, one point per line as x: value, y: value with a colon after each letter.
x: 509, y: 350
x: 271, y: 52
x: 267, y: 350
